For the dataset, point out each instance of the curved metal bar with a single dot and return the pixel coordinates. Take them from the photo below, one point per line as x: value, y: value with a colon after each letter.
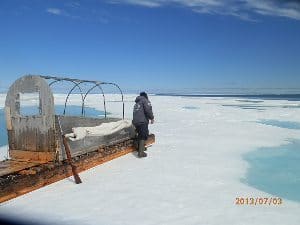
x: 70, y: 92
x: 104, y: 101
x: 53, y: 82
x: 121, y: 95
x: 75, y: 85
x: 80, y: 89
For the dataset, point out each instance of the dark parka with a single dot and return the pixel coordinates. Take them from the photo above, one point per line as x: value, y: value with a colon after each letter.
x: 142, y: 111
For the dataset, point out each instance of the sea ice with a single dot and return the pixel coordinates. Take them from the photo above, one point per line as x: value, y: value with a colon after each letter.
x: 192, y: 174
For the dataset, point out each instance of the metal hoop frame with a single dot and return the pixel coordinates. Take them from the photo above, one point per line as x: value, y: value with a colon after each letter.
x: 77, y: 83
x: 104, y: 102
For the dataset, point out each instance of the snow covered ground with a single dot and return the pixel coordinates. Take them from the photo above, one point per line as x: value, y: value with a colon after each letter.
x: 192, y: 175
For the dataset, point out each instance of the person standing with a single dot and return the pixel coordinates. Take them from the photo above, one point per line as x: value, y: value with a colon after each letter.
x: 142, y: 114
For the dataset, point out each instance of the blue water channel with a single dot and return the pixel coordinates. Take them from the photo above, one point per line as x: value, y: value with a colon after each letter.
x: 276, y: 170
x: 282, y: 124
x: 3, y: 133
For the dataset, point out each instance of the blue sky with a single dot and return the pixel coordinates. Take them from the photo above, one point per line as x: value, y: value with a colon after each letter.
x: 154, y: 44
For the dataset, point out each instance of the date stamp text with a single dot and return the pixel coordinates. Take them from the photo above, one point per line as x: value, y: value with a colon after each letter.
x: 258, y: 201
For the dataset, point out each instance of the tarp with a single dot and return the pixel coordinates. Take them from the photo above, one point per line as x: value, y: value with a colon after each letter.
x: 101, y: 130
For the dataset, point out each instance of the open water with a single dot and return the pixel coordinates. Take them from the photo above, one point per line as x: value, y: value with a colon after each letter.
x: 70, y: 110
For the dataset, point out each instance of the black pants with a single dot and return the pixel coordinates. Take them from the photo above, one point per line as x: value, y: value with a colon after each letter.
x: 143, y: 131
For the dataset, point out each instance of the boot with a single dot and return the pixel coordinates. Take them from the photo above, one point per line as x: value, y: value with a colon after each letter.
x: 142, y: 149
x: 136, y: 144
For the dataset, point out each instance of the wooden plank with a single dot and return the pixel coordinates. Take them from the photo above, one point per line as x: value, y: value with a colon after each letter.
x: 28, y: 183
x: 10, y: 166
x: 32, y: 156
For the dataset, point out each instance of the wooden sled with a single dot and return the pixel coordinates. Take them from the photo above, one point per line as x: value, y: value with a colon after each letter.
x: 36, y: 146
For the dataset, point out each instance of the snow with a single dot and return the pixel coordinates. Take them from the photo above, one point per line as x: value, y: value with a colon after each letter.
x: 191, y: 175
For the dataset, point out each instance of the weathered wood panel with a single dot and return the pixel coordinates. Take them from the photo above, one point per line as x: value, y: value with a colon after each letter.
x: 11, y: 166
x: 29, y: 156
x: 31, y: 132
